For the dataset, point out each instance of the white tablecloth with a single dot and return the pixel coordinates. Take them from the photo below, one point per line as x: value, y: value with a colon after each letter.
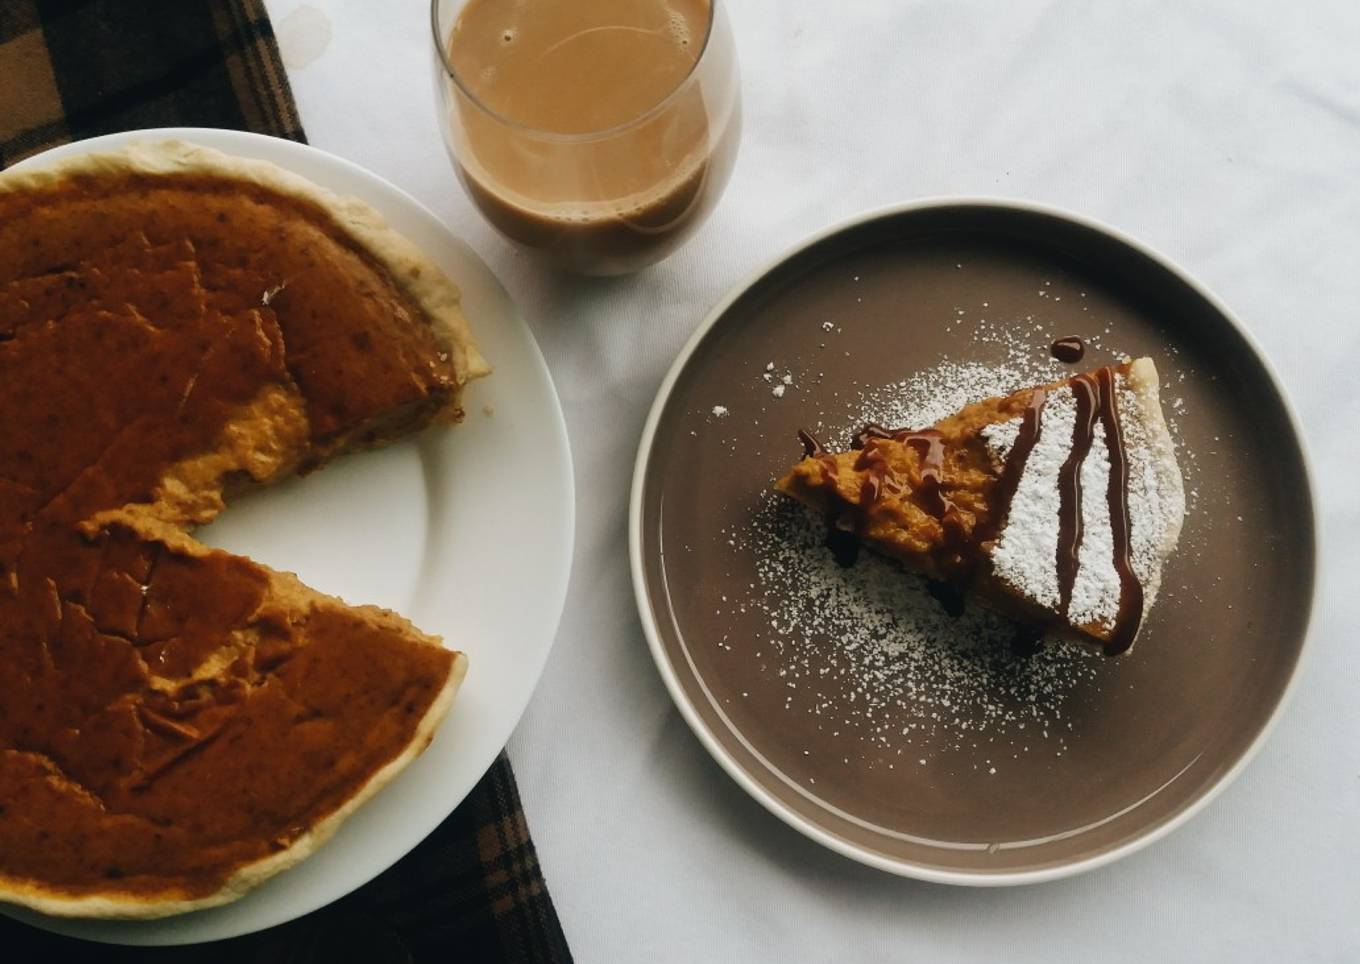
x: 1226, y: 134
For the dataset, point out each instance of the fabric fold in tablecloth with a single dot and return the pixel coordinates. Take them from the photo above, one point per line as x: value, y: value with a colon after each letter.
x: 71, y: 69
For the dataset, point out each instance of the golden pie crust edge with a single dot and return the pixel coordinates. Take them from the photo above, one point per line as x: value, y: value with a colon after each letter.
x: 409, y: 267
x: 439, y: 297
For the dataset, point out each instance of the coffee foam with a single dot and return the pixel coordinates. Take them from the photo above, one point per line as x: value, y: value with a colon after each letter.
x: 677, y: 27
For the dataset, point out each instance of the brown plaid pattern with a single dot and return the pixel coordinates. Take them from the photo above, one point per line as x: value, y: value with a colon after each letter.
x: 70, y: 69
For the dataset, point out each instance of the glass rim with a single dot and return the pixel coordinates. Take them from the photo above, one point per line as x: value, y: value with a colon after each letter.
x: 441, y: 51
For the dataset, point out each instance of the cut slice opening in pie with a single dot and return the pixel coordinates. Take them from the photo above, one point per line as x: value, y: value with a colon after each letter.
x: 1058, y: 504
x: 178, y: 723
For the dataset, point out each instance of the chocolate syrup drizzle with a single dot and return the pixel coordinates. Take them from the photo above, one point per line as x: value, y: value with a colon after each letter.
x: 812, y: 449
x: 1070, y: 526
x: 1095, y: 396
x: 1031, y: 426
x: 929, y: 445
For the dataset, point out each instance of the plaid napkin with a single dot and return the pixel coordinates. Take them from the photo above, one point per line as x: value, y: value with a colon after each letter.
x: 71, y: 69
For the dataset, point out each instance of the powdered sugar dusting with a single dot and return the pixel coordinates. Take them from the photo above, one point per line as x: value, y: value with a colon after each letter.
x: 1027, y: 549
x: 869, y: 650
x: 926, y: 398
x: 1096, y: 587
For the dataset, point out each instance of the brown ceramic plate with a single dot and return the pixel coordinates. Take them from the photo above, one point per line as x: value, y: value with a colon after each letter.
x: 1148, y: 739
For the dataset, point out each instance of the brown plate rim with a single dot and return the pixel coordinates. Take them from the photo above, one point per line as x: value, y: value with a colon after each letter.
x: 809, y: 827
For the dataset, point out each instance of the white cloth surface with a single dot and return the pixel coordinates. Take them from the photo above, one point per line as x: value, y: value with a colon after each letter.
x: 1226, y: 134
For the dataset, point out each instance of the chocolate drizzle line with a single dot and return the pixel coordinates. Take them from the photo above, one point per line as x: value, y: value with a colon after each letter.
x: 812, y: 449
x: 1070, y: 529
x: 874, y: 464
x: 1031, y: 425
x: 929, y: 445
x: 878, y: 475
x: 1130, y: 613
x: 1095, y: 396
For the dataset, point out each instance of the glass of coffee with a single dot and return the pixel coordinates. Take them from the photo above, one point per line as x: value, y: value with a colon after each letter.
x: 598, y: 133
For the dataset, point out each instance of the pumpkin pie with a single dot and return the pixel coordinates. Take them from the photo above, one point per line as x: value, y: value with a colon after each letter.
x: 1058, y: 504
x: 178, y: 723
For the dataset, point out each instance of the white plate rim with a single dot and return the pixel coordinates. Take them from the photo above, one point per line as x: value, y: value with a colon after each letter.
x: 806, y: 826
x: 553, y: 432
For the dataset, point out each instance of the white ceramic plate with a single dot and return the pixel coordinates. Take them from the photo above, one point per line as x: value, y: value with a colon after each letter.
x: 435, y: 527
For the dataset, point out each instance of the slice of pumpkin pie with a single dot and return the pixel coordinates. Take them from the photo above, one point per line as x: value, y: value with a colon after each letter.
x: 1058, y: 504
x: 178, y: 723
